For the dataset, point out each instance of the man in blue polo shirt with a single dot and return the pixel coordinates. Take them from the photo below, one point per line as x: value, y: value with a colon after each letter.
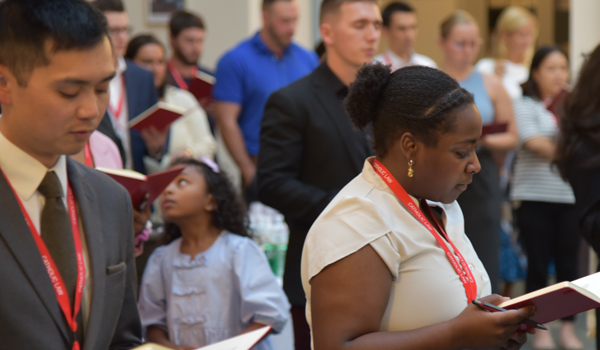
x: 249, y: 73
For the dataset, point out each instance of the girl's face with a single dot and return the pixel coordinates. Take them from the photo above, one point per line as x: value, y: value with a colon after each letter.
x: 461, y: 47
x: 152, y: 57
x: 444, y: 171
x: 552, y: 74
x: 186, y: 196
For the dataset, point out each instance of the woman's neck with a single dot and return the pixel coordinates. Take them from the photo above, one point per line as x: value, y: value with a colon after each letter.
x: 458, y: 73
x: 198, y: 234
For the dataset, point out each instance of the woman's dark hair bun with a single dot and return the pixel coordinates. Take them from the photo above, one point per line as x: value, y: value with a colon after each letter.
x: 363, y: 98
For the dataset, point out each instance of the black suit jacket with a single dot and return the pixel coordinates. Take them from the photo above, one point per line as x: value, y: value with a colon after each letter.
x: 141, y: 95
x: 309, y: 150
x: 30, y: 317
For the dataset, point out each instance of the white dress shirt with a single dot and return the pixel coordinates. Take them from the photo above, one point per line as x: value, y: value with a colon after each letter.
x: 25, y: 174
x: 118, y: 92
x: 389, y: 57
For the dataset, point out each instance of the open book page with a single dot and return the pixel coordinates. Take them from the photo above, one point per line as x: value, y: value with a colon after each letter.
x: 241, y: 342
x: 590, y: 282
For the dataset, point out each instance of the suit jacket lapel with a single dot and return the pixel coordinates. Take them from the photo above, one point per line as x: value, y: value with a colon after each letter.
x: 326, y: 86
x: 17, y: 236
x: 131, y: 93
x: 92, y: 228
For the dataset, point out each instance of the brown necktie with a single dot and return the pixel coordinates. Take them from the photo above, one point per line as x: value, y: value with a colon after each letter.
x: 58, y: 236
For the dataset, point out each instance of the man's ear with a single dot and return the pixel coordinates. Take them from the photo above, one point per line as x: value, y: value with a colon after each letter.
x: 7, y: 79
x: 326, y: 33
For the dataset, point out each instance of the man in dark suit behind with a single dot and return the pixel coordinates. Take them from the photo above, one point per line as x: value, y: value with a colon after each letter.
x: 309, y: 149
x: 66, y: 233
x: 131, y: 93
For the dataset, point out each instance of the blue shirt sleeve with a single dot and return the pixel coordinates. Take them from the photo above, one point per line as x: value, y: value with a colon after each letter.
x: 152, y: 301
x: 229, y: 86
x: 263, y: 300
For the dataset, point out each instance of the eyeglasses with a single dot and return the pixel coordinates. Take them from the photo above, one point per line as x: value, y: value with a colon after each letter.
x: 119, y: 30
x: 461, y: 45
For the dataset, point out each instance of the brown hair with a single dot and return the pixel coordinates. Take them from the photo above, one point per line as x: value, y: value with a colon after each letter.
x: 330, y: 6
x: 456, y: 18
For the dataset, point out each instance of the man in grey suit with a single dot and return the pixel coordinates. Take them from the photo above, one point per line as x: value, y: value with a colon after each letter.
x: 66, y: 231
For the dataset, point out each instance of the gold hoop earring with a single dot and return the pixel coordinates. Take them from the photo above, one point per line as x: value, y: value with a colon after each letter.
x: 411, y: 173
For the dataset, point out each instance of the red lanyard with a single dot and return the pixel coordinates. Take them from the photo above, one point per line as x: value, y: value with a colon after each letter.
x: 463, y: 272
x: 88, y: 155
x: 388, y: 60
x: 177, y: 76
x: 53, y: 273
x: 117, y: 112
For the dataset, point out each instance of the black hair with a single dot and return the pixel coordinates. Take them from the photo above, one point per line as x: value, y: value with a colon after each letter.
x: 530, y: 87
x: 397, y: 6
x: 181, y: 20
x: 230, y: 214
x: 136, y: 44
x: 415, y: 99
x: 26, y: 27
x: 581, y: 124
x: 109, y: 5
x: 267, y: 3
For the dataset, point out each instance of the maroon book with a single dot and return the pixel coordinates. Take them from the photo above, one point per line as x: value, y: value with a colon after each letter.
x: 493, y: 129
x: 161, y: 115
x: 143, y: 189
x: 201, y: 86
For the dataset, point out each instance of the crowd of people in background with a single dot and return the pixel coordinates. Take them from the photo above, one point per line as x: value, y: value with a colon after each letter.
x: 299, y: 125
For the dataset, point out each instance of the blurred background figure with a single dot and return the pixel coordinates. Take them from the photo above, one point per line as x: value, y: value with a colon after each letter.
x: 189, y: 136
x: 246, y: 77
x: 544, y: 203
x: 578, y: 153
x: 514, y: 44
x: 482, y: 201
x: 400, y: 29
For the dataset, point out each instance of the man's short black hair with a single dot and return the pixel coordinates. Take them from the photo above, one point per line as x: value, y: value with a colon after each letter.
x: 267, y: 3
x: 109, y: 5
x: 26, y: 27
x: 181, y: 20
x: 389, y: 10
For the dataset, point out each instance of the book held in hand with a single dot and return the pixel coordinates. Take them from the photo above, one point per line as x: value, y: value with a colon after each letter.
x: 244, y: 341
x: 161, y: 115
x: 561, y: 300
x: 143, y: 189
x: 201, y: 86
x: 493, y: 129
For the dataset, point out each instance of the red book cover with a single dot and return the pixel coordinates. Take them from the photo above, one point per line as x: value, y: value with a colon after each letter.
x: 561, y: 300
x: 493, y: 129
x: 143, y: 189
x: 201, y: 86
x: 161, y: 115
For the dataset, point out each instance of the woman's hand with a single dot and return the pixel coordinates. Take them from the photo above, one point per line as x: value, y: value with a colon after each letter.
x: 140, y: 217
x: 482, y: 329
x: 155, y: 140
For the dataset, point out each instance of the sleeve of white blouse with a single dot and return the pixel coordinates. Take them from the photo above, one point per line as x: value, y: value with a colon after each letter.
x: 263, y: 300
x: 152, y: 301
x: 527, y: 120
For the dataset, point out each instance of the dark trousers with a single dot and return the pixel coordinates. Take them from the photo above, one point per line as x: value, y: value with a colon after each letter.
x: 301, y: 328
x: 549, y: 230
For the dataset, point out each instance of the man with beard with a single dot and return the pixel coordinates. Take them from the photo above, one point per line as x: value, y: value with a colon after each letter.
x: 249, y: 73
x: 187, y: 34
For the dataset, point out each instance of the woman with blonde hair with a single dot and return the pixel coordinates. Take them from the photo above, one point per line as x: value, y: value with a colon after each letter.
x: 514, y: 36
x: 481, y: 202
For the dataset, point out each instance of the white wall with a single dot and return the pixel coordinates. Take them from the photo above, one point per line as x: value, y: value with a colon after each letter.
x: 584, y: 31
x: 227, y: 21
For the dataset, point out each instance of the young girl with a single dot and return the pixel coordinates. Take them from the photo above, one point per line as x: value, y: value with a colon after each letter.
x: 211, y: 282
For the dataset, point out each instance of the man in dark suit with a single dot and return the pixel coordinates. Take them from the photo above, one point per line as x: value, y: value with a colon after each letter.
x: 66, y: 233
x: 309, y: 149
x: 133, y: 85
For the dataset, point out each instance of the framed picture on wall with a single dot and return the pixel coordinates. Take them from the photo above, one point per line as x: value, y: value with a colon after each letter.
x: 159, y: 11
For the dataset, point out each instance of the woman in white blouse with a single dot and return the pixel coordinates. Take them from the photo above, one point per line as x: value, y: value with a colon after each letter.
x: 190, y: 134
x: 387, y: 264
